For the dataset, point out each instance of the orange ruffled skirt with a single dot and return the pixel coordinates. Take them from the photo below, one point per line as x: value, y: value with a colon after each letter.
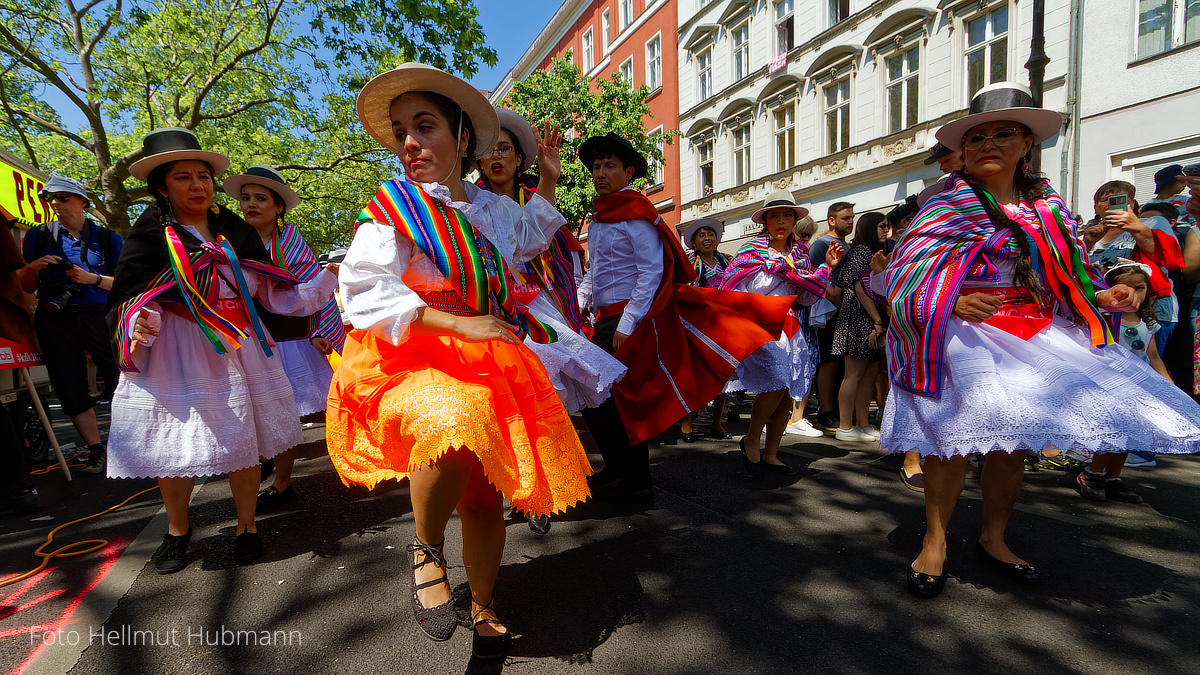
x: 393, y: 408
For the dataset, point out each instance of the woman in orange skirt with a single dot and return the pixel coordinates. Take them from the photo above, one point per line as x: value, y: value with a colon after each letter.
x: 435, y: 384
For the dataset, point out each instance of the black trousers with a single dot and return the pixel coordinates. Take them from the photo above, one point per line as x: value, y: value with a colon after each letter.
x: 64, y: 337
x: 631, y: 463
x: 14, y: 469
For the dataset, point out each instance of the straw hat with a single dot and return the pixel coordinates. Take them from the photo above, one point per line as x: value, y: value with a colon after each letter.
x: 375, y: 101
x: 266, y: 177
x: 711, y: 223
x: 172, y: 144
x: 1003, y: 101
x: 519, y: 127
x: 779, y: 199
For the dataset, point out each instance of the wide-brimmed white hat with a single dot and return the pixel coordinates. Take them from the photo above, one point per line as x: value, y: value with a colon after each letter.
x: 266, y: 177
x: 375, y: 100
x: 711, y: 223
x: 172, y: 144
x: 779, y: 199
x: 519, y: 127
x: 1003, y: 101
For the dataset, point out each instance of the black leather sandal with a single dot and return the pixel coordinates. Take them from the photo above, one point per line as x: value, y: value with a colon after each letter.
x: 488, y: 647
x: 438, y: 622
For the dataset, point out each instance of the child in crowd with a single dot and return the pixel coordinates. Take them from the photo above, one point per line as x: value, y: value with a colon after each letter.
x: 1102, y: 481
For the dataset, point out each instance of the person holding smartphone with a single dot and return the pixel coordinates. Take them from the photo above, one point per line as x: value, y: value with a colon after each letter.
x: 70, y: 263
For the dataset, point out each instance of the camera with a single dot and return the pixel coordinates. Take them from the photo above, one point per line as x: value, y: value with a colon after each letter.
x: 59, y: 295
x: 60, y: 266
x: 1191, y: 170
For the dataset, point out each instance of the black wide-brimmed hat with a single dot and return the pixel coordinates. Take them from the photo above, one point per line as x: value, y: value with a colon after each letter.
x: 1002, y: 102
x: 266, y: 177
x: 172, y: 144
x: 937, y: 152
x: 612, y: 144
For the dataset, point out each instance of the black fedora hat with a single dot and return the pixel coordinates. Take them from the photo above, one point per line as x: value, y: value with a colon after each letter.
x: 612, y: 144
x: 265, y: 176
x: 937, y: 152
x: 1002, y: 102
x: 172, y: 144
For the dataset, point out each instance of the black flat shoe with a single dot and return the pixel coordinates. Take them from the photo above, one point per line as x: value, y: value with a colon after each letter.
x: 488, y: 647
x: 171, y: 555
x: 782, y: 469
x: 719, y: 435
x: 265, y: 468
x: 438, y: 622
x: 247, y: 548
x: 753, y: 469
x: 926, y: 585
x: 1025, y: 574
x: 539, y: 524
x: 271, y: 498
x: 689, y: 437
x: 602, y: 477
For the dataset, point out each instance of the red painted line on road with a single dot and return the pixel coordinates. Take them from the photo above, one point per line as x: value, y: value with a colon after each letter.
x: 31, y: 603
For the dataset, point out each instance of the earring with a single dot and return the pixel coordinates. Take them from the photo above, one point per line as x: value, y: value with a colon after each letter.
x: 279, y: 221
x: 214, y: 209
x: 1027, y: 168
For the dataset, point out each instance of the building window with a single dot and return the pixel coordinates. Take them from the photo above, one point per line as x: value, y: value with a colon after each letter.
x: 987, y: 50
x: 784, y: 26
x: 741, y: 51
x: 589, y: 60
x: 626, y: 7
x: 902, y: 91
x: 706, y: 168
x: 704, y: 68
x: 604, y: 30
x: 838, y: 11
x: 627, y: 71
x: 654, y: 63
x: 741, y: 154
x: 1166, y: 24
x: 785, y: 137
x: 837, y: 116
x: 656, y: 167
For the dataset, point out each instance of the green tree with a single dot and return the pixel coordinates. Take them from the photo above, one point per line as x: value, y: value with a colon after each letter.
x: 584, y: 108
x: 263, y: 81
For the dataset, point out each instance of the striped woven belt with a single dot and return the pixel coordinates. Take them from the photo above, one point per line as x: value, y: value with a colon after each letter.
x: 447, y: 301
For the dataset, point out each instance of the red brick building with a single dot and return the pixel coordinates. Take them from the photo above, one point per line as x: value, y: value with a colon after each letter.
x: 633, y: 37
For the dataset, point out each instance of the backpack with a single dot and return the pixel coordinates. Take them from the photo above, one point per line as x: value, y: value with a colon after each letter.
x: 106, y: 243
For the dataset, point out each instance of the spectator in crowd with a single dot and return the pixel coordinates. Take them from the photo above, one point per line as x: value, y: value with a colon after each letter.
x: 71, y: 262
x: 798, y: 424
x: 948, y: 161
x: 1168, y: 188
x: 840, y: 218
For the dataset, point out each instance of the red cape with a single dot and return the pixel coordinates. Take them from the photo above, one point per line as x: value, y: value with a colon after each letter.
x: 674, y: 369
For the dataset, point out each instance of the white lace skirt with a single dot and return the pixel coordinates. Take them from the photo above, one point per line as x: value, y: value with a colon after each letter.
x: 581, y: 372
x: 193, y: 412
x: 309, y: 373
x: 783, y: 364
x: 1000, y: 392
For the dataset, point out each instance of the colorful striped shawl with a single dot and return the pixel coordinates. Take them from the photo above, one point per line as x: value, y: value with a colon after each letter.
x: 200, y: 287
x: 554, y: 271
x: 290, y: 252
x: 468, y: 261
x: 754, y: 256
x: 940, y: 250
x: 708, y: 277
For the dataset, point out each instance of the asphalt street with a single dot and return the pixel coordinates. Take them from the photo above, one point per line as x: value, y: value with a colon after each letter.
x: 721, y: 575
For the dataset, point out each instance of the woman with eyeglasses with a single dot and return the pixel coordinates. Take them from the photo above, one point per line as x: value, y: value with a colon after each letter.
x: 997, y: 348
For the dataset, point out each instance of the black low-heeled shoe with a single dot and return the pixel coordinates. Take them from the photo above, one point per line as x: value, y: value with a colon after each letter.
x: 721, y: 435
x: 753, y: 469
x: 488, y: 647
x: 247, y: 547
x: 539, y: 524
x: 782, y: 469
x: 171, y: 555
x: 1025, y: 574
x: 926, y: 585
x: 438, y: 622
x: 688, y: 436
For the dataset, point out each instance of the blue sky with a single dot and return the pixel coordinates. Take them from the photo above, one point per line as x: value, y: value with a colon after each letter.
x: 510, y: 27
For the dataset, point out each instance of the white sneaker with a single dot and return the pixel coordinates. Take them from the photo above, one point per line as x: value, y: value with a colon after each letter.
x: 868, y: 433
x: 803, y: 427
x: 851, y: 434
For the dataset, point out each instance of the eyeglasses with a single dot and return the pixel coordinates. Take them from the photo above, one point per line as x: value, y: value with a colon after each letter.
x: 1136, y: 344
x: 501, y: 151
x: 59, y: 196
x: 1001, y: 138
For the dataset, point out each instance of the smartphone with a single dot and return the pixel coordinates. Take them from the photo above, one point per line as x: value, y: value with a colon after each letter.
x: 1118, y: 202
x: 1191, y: 170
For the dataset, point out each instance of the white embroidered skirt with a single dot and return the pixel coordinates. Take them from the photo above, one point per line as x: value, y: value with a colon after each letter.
x: 581, y: 372
x: 1000, y: 392
x: 783, y: 364
x: 309, y: 373
x: 193, y: 412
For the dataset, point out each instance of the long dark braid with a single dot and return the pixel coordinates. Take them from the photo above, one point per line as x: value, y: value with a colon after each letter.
x: 1029, y: 186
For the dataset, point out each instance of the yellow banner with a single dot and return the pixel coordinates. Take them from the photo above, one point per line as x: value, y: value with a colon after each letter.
x: 19, y: 196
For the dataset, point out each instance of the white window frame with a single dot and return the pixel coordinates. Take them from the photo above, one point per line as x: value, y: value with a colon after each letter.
x: 654, y: 63
x: 658, y: 170
x: 843, y: 109
x: 833, y: 12
x: 704, y: 83
x: 604, y: 28
x: 709, y: 143
x: 627, y: 71
x: 787, y: 131
x: 625, y: 14
x: 740, y: 69
x: 902, y: 82
x: 1177, y: 28
x: 739, y: 166
x: 988, y: 46
x: 589, y: 55
x: 785, y: 25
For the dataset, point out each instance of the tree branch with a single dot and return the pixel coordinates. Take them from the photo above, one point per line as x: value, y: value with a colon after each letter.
x: 326, y: 167
x: 198, y: 101
x: 54, y: 128
x: 240, y: 109
x: 16, y: 125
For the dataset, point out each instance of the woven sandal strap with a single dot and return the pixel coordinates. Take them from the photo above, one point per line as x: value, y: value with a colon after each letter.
x: 433, y: 554
x: 435, y: 582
